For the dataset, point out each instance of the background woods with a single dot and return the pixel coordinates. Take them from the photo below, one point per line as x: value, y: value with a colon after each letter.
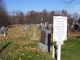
x: 33, y: 17
x: 3, y: 14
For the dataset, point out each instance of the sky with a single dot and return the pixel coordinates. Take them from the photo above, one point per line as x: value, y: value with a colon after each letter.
x: 39, y: 5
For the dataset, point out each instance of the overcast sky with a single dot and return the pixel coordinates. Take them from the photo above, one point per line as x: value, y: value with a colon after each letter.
x: 39, y: 5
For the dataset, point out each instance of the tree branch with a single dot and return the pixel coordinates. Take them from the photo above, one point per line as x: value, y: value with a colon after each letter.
x: 68, y: 1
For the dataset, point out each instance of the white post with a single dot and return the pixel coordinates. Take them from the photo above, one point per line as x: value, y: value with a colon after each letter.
x: 59, y: 52
x: 53, y: 52
x: 4, y: 33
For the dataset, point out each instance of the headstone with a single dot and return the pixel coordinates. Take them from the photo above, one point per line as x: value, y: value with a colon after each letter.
x: 41, y: 24
x: 45, y: 42
x: 3, y: 31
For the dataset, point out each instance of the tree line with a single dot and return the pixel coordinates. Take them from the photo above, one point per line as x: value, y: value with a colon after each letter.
x: 33, y: 17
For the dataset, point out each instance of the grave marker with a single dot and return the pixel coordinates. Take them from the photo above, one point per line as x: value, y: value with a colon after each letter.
x: 3, y: 31
x: 45, y: 43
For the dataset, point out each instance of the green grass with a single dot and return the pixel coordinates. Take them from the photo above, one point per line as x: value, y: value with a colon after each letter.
x: 71, y: 49
x: 22, y: 46
x: 16, y: 51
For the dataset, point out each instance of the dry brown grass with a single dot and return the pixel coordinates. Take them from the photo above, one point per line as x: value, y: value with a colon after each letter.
x: 74, y: 34
x: 22, y: 42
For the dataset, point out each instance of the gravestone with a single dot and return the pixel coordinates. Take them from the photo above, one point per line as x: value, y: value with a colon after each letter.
x: 3, y: 31
x: 45, y: 42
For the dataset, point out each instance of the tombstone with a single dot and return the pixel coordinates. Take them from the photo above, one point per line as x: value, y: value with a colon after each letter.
x: 45, y: 42
x: 3, y: 31
x: 34, y: 25
x: 41, y: 24
x: 45, y: 24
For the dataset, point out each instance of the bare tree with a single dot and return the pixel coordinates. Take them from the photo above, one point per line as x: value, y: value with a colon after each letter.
x: 67, y: 2
x: 20, y: 17
x: 3, y: 14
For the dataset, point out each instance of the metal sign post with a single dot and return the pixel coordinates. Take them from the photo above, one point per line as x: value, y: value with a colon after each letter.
x: 59, y: 32
x: 58, y: 52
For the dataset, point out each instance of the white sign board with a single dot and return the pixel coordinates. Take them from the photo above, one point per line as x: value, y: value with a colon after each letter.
x: 59, y: 29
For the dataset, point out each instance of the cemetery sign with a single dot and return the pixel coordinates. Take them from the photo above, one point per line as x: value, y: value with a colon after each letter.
x: 59, y: 29
x: 59, y: 33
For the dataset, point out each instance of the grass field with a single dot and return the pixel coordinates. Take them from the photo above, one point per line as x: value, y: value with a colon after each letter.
x: 23, y: 45
x: 71, y: 49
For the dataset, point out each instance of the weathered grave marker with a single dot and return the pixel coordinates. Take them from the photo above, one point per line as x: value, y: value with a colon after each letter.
x: 59, y: 33
x: 45, y: 42
x: 3, y: 31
